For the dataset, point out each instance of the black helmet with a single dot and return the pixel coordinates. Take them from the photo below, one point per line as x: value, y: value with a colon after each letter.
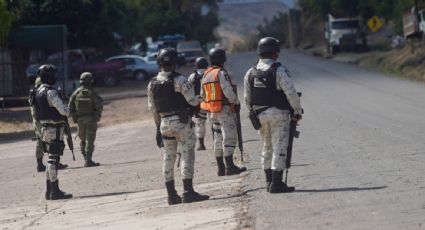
x: 167, y: 56
x: 217, y: 56
x: 201, y: 63
x: 268, y: 45
x: 47, y: 74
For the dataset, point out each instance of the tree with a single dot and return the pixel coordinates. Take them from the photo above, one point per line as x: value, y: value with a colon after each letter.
x: 6, y: 18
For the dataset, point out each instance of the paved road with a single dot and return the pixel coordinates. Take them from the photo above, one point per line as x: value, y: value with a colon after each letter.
x: 360, y: 161
x: 358, y: 165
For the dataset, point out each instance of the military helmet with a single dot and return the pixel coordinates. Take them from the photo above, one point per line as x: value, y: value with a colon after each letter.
x: 268, y: 45
x: 217, y: 56
x: 167, y: 56
x: 47, y: 73
x: 201, y: 63
x: 86, y: 78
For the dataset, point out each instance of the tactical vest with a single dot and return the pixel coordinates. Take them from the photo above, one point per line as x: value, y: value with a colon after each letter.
x: 264, y: 91
x: 84, y: 103
x: 42, y: 108
x: 197, y: 83
x: 166, y: 99
x: 214, y: 98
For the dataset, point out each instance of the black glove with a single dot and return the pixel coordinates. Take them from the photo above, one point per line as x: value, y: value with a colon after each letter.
x: 159, y: 141
x: 236, y: 108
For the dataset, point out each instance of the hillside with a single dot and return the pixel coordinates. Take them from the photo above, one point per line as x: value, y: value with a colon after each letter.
x: 238, y: 21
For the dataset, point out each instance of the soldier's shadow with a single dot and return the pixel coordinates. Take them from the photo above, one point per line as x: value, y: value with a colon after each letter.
x: 239, y: 194
x: 345, y: 189
x: 106, y: 194
x: 109, y: 164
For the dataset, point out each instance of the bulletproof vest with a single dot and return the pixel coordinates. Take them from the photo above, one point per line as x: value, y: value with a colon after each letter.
x: 43, y: 110
x: 264, y: 91
x: 197, y: 83
x: 166, y: 99
x: 84, y: 103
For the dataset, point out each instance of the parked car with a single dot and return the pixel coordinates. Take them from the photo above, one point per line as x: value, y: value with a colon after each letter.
x: 190, y: 50
x: 150, y: 58
x: 136, y: 67
x: 103, y: 73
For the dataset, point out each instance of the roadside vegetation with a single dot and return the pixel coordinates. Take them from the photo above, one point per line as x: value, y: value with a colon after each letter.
x: 111, y: 25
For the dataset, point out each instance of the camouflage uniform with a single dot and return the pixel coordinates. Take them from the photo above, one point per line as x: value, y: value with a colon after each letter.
x: 201, y: 116
x: 52, y: 114
x: 274, y: 129
x: 224, y: 127
x: 170, y: 99
x: 49, y: 128
x: 86, y: 108
x: 39, y: 152
x: 175, y: 132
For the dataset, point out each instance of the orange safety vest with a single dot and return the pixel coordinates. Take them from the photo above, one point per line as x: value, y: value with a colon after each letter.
x: 213, y: 94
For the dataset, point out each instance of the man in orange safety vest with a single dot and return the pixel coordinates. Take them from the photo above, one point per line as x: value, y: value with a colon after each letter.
x: 222, y: 103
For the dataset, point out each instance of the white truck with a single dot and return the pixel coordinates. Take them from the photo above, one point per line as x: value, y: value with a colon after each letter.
x: 414, y: 23
x: 344, y: 34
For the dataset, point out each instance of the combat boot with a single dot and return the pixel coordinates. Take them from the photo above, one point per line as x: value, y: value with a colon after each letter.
x: 56, y: 193
x: 40, y: 166
x: 268, y: 173
x: 62, y: 166
x: 90, y: 163
x: 201, y: 145
x: 277, y: 185
x: 48, y: 190
x: 173, y: 197
x: 231, y: 168
x: 189, y: 194
x: 220, y: 166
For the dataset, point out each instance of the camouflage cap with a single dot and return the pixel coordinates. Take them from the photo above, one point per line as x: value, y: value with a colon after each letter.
x: 86, y: 78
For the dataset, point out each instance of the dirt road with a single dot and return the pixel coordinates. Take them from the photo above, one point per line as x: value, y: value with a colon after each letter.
x: 359, y: 164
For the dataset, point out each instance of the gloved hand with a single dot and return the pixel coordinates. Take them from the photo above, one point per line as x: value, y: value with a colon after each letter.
x: 159, y: 141
x: 236, y: 108
x: 296, y: 117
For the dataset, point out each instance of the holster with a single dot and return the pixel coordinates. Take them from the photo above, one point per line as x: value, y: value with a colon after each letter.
x: 56, y: 147
x: 184, y: 116
x: 253, y: 116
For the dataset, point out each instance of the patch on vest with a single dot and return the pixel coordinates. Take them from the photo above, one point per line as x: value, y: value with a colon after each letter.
x: 260, y: 82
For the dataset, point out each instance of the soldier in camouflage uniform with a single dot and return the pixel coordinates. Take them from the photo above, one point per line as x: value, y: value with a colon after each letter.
x: 222, y: 103
x: 39, y: 152
x: 200, y: 115
x: 51, y: 112
x: 170, y: 97
x: 270, y: 93
x: 86, y: 109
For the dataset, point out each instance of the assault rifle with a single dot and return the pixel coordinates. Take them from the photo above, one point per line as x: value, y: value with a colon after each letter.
x: 239, y: 130
x: 293, y: 133
x: 67, y: 128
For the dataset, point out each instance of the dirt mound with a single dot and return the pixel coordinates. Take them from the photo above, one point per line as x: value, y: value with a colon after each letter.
x: 239, y: 21
x: 407, y: 61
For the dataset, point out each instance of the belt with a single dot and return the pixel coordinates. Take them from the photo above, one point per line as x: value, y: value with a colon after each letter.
x: 59, y: 125
x: 169, y: 115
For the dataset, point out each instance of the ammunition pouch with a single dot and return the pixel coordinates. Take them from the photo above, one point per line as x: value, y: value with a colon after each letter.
x: 253, y: 116
x: 56, y: 147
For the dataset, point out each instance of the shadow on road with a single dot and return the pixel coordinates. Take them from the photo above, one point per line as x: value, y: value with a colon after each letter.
x: 347, y: 189
x: 106, y: 194
x: 110, y: 164
x: 251, y: 140
x: 239, y: 194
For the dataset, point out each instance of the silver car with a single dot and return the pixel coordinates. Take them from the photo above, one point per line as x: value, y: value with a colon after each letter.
x: 136, y: 67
